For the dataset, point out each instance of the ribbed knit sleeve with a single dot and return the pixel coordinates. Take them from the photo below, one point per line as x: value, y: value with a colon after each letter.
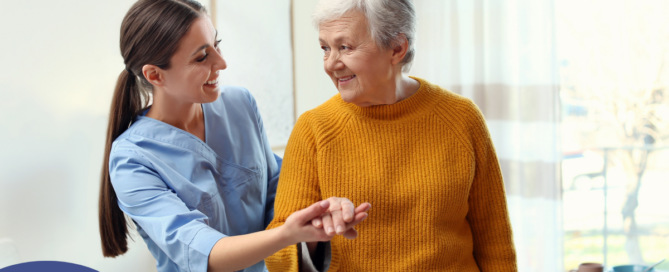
x: 297, y: 189
x: 488, y: 215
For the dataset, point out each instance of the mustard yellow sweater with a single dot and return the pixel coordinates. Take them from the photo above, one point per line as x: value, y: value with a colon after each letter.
x: 428, y: 167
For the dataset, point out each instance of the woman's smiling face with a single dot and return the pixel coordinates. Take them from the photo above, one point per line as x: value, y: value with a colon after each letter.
x: 359, y: 69
x: 193, y: 73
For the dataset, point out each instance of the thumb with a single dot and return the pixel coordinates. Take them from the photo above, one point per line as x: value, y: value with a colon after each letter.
x: 315, y: 210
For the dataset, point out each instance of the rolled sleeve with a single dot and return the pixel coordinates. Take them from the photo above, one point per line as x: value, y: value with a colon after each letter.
x: 181, y: 233
x: 200, y: 247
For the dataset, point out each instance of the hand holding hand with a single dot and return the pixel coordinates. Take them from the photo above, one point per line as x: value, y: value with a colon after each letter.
x: 298, y: 226
x: 342, y: 217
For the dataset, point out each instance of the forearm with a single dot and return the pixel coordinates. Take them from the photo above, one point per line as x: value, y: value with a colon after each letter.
x: 238, y: 252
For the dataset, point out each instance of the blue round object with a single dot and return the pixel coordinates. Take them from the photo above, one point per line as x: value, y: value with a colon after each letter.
x: 50, y: 266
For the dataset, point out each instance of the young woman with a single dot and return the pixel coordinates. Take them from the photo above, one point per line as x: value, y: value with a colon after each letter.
x: 194, y: 170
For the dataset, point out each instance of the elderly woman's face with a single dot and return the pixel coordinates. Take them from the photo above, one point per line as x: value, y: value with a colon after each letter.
x: 360, y: 70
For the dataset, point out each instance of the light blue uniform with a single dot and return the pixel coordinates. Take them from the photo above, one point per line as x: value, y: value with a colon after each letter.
x: 185, y: 194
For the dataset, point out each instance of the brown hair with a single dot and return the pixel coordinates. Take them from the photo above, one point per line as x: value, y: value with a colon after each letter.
x: 150, y: 34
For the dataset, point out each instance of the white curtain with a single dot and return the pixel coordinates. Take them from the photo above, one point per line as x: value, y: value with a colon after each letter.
x: 501, y: 54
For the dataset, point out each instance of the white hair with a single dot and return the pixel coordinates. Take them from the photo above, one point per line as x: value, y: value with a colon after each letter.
x: 386, y: 18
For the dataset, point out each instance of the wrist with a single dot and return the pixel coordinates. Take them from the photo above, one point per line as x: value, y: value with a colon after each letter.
x: 286, y: 238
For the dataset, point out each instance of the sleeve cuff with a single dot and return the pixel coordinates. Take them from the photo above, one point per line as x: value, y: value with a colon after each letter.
x: 308, y: 265
x: 200, y: 247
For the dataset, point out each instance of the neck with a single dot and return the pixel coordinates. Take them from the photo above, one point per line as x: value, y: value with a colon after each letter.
x: 406, y: 87
x: 187, y: 116
x: 403, y: 87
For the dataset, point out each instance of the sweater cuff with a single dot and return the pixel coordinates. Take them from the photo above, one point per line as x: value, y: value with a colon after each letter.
x: 324, y: 257
x: 200, y: 248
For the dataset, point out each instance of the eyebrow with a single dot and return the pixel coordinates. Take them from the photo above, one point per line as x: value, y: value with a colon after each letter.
x: 204, y: 46
x: 200, y: 49
x: 336, y: 40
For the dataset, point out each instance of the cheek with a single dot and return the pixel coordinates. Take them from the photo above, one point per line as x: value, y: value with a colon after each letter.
x: 328, y: 72
x: 371, y: 67
x: 198, y: 74
x: 358, y: 64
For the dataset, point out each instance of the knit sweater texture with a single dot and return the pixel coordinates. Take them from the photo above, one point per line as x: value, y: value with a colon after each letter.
x: 428, y: 167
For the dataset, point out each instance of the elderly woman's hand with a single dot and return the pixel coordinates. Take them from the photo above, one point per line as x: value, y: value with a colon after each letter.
x: 341, y: 214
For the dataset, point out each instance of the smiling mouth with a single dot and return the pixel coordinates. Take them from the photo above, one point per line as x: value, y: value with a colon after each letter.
x: 346, y: 79
x: 211, y: 82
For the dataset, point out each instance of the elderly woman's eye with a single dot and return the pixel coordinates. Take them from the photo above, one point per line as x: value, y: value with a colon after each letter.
x: 325, y: 48
x: 344, y: 47
x: 203, y: 58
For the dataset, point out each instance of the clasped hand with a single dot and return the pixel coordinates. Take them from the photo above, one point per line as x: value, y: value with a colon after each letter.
x: 325, y: 219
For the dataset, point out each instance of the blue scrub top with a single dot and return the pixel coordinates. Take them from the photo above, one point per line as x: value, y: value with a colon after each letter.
x: 185, y: 194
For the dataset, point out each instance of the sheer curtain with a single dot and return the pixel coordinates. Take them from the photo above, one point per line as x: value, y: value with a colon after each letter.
x: 501, y: 54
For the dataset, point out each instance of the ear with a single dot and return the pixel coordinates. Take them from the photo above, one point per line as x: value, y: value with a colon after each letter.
x: 400, y: 49
x: 153, y: 74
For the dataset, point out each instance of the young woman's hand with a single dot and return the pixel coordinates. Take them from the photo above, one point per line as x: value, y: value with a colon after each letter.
x: 298, y: 226
x: 340, y: 216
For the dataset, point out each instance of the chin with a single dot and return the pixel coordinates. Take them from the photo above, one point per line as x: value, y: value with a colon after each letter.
x: 211, y: 97
x: 348, y: 96
x: 352, y: 97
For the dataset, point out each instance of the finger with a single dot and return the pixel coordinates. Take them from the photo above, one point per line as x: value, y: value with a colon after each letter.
x: 338, y: 221
x: 317, y: 222
x: 327, y: 224
x: 364, y: 207
x: 335, y: 204
x: 317, y: 234
x: 351, y: 234
x: 315, y: 210
x: 358, y: 218
x: 347, y: 209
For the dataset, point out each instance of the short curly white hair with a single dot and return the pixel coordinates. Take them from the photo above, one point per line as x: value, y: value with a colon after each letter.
x: 387, y: 19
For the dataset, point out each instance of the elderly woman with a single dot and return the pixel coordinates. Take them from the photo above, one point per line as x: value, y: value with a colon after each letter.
x: 421, y: 155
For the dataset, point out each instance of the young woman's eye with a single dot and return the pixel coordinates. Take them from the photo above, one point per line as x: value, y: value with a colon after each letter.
x: 203, y: 58
x: 217, y: 43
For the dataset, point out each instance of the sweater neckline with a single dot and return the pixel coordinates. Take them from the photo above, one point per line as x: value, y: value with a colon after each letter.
x: 411, y: 107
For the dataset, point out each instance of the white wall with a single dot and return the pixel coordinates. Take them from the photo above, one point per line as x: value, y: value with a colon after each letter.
x: 59, y: 61
x: 257, y: 48
x: 312, y: 85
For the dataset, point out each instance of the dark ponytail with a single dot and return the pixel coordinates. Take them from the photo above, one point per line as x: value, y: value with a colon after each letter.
x: 150, y: 34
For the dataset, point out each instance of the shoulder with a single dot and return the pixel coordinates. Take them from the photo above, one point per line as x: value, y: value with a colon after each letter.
x: 127, y: 147
x: 457, y: 110
x: 125, y: 159
x: 459, y: 114
x: 142, y: 142
x: 446, y: 98
x: 325, y: 121
x: 333, y: 108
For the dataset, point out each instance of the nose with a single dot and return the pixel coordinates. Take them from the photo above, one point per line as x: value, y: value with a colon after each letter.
x: 219, y: 63
x: 332, y: 63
